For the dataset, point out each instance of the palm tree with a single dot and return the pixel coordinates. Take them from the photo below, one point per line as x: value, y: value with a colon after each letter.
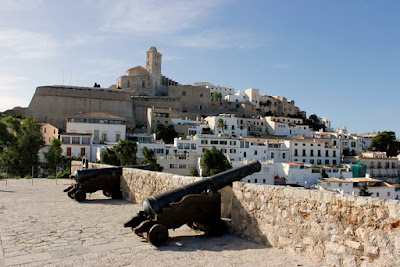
x: 221, y: 124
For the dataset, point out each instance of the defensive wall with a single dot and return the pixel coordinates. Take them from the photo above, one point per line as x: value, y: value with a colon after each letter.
x: 52, y: 104
x: 342, y: 230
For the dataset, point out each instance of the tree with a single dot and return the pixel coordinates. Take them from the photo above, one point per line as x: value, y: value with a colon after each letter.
x: 314, y: 122
x: 194, y: 172
x: 221, y: 124
x: 149, y: 158
x: 364, y: 191
x: 109, y: 156
x: 216, y: 96
x: 384, y: 141
x: 166, y: 133
x: 53, y: 156
x: 120, y: 155
x: 21, y: 143
x: 214, y: 161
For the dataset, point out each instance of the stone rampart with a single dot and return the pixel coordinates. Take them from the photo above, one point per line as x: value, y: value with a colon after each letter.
x: 341, y: 229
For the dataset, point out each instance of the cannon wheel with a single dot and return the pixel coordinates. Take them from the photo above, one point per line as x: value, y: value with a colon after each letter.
x: 158, y: 235
x: 80, y: 195
x: 107, y: 194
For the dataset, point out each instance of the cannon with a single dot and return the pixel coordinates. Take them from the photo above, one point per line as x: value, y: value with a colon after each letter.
x: 198, y: 205
x: 92, y: 180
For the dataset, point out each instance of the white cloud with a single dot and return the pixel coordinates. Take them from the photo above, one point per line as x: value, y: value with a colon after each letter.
x: 161, y: 17
x: 219, y: 38
x: 26, y: 45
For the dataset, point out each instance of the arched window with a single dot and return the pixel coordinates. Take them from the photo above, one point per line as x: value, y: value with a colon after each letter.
x: 183, y: 93
x: 128, y: 84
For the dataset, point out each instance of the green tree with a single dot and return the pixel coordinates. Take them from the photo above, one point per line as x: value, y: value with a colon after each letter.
x: 314, y: 122
x: 126, y: 152
x: 21, y: 143
x: 150, y: 158
x: 109, y: 156
x: 364, y: 191
x: 53, y: 156
x: 122, y: 154
x: 221, y: 124
x: 166, y: 133
x: 194, y: 172
x: 383, y: 142
x: 214, y: 161
x: 216, y: 96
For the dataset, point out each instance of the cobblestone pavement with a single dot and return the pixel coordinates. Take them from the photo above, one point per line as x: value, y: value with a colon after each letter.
x: 41, y: 226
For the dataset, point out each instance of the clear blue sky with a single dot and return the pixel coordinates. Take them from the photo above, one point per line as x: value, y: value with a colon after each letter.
x: 339, y: 59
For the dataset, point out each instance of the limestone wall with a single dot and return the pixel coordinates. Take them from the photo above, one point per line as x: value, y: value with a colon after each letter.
x: 341, y: 229
x: 52, y: 104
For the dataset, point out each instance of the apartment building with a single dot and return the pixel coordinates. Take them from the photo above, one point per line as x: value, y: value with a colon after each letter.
x: 314, y: 152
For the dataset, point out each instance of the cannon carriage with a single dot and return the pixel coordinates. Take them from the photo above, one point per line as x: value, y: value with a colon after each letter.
x: 198, y: 205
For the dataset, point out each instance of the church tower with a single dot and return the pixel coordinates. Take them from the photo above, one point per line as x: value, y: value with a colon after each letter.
x: 153, y: 62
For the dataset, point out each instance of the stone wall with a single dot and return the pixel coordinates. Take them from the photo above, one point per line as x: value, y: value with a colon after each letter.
x: 341, y: 229
x: 52, y: 104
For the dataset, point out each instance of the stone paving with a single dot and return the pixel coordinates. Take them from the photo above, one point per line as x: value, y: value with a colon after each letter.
x: 41, y: 226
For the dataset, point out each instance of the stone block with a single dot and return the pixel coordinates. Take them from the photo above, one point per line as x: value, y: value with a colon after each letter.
x: 362, y: 201
x: 371, y: 251
x: 354, y: 245
x: 333, y: 260
x: 335, y: 248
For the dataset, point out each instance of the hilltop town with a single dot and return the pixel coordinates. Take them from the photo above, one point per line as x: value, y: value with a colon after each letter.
x: 242, y: 124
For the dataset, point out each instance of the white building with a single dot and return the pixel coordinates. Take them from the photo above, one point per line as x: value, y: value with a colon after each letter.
x: 289, y: 127
x: 224, y: 91
x: 378, y: 188
x: 88, y: 134
x: 228, y: 127
x: 239, y: 97
x: 314, y: 152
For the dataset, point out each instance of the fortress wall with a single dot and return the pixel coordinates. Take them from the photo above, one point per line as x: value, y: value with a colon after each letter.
x: 340, y: 229
x: 53, y: 103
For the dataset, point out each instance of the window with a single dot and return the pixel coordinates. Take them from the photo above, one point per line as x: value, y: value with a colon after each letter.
x: 241, y: 144
x: 232, y: 143
x: 223, y: 150
x: 83, y: 151
x: 96, y: 135
x: 311, y: 161
x: 85, y: 140
x: 76, y: 140
x: 327, y: 162
x: 183, y: 93
x: 319, y: 153
x: 44, y: 129
x: 192, y: 146
x: 272, y: 155
x: 327, y: 153
x: 311, y: 153
x: 104, y: 137
x: 283, y: 155
x: 117, y: 137
x: 319, y: 162
x: 173, y: 166
x: 246, y: 144
x: 66, y: 140
x: 182, y: 166
x: 180, y: 146
x: 223, y: 142
x: 128, y: 83
x: 186, y: 145
x: 295, y: 144
x: 214, y: 142
x: 295, y: 153
x: 69, y: 152
x: 377, y: 194
x: 334, y: 153
x: 388, y: 194
x: 204, y: 142
x: 340, y: 184
x: 232, y: 151
x: 255, y: 152
x: 304, y: 152
x: 334, y: 162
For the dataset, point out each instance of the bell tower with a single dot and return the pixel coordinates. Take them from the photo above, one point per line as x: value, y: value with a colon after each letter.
x: 153, y: 62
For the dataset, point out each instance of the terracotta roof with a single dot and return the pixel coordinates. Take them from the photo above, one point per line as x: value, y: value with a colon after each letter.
x: 138, y: 68
x: 293, y: 163
x: 97, y: 115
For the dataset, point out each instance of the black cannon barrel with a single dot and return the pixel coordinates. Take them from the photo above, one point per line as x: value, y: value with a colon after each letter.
x: 87, y: 174
x: 155, y: 204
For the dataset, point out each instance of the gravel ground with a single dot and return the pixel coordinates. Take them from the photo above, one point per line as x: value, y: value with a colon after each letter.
x: 41, y: 226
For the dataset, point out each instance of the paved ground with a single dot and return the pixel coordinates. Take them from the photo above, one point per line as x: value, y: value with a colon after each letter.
x: 41, y: 226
